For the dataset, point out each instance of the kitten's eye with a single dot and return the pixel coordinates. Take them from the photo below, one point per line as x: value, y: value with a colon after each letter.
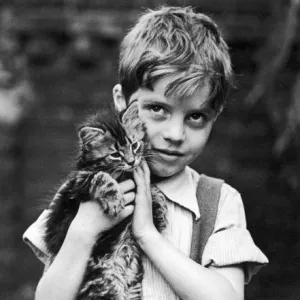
x: 135, y: 146
x: 115, y: 155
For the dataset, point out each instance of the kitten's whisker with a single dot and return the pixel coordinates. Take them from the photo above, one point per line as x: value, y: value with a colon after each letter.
x: 146, y: 157
x: 149, y: 159
x: 149, y: 155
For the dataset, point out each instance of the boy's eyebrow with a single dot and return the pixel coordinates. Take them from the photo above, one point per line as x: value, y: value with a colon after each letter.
x: 206, y: 105
x: 154, y: 98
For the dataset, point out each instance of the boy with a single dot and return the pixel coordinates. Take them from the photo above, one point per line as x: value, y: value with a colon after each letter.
x: 176, y: 64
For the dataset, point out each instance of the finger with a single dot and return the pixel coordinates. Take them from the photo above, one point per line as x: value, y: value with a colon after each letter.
x: 138, y: 176
x: 141, y: 188
x: 143, y: 173
x: 127, y: 211
x: 145, y: 167
x: 129, y: 197
x: 127, y: 186
x: 146, y: 172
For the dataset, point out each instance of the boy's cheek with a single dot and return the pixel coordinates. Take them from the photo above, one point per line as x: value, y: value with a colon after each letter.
x: 151, y: 128
x: 144, y: 116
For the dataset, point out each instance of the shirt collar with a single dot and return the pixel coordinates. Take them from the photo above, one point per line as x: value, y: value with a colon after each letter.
x: 181, y: 189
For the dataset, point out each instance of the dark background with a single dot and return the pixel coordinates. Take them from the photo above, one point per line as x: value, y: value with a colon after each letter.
x: 58, y: 63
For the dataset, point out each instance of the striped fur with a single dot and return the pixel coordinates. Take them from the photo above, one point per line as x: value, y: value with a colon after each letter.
x: 110, y: 147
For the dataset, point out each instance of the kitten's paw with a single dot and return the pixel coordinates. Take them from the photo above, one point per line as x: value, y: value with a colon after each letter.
x: 106, y: 191
x: 159, y: 208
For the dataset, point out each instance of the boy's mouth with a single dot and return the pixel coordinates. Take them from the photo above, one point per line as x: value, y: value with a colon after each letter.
x: 168, y: 152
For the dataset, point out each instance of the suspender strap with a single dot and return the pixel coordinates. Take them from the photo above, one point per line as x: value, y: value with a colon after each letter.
x: 208, y: 195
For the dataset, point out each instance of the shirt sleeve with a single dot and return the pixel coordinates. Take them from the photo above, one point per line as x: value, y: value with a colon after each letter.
x: 231, y: 243
x: 34, y: 237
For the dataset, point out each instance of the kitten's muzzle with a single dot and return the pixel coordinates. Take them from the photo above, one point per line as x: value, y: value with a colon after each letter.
x: 133, y: 163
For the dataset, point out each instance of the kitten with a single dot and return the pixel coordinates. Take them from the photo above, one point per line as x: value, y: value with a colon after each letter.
x: 111, y: 147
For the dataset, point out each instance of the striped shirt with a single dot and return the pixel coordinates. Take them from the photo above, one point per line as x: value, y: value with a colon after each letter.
x: 230, y: 243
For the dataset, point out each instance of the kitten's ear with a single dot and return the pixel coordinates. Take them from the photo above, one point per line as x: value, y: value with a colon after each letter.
x: 130, y: 113
x: 88, y: 134
x: 132, y: 122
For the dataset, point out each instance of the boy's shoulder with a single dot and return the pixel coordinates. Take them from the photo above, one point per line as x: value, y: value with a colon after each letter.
x: 228, y: 196
x: 196, y: 176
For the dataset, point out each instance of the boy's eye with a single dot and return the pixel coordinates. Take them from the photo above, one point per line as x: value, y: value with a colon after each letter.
x: 135, y: 146
x: 157, y: 109
x: 115, y: 155
x: 197, y: 118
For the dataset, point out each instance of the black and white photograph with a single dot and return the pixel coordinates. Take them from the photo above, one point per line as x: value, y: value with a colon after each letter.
x: 149, y: 149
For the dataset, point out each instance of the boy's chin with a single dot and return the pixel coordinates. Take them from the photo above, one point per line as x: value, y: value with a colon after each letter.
x: 164, y: 171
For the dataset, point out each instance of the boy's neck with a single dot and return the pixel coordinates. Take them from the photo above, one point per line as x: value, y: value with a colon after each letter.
x: 156, y: 179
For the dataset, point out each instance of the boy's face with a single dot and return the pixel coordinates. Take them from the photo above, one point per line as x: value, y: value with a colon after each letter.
x: 177, y: 129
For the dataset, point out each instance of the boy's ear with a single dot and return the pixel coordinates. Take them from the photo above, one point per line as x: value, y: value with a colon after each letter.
x: 218, y: 113
x: 119, y: 99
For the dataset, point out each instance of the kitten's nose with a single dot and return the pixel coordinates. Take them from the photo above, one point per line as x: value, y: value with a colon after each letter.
x: 130, y: 162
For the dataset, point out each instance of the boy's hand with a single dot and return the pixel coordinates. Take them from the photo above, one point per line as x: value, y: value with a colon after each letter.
x: 142, y: 224
x: 91, y: 221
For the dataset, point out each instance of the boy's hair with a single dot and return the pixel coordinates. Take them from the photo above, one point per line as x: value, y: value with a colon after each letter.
x: 175, y: 41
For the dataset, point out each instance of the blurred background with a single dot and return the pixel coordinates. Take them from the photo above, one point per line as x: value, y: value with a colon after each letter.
x: 58, y: 62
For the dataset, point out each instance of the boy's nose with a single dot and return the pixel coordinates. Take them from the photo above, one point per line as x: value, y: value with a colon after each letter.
x: 174, y: 132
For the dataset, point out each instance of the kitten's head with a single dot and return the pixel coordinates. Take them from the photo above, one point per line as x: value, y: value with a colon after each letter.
x: 112, y: 143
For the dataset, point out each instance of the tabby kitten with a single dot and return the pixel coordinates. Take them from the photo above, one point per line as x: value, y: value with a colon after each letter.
x: 111, y: 147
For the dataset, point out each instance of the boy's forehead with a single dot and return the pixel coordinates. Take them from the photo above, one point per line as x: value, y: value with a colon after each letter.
x: 158, y: 93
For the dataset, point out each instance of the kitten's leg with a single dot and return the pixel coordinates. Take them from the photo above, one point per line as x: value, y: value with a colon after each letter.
x: 103, y: 281
x: 128, y: 256
x: 118, y: 274
x: 106, y: 191
x: 135, y: 292
x: 77, y: 182
x: 159, y: 208
x: 63, y: 209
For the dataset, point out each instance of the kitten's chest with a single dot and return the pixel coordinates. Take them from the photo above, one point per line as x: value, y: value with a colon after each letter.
x: 124, y: 176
